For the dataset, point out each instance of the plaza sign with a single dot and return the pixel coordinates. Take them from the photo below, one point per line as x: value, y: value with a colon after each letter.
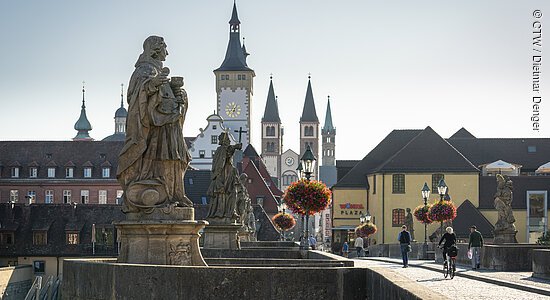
x: 351, y: 209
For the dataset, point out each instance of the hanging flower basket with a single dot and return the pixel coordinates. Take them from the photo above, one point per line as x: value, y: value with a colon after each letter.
x: 307, y: 196
x: 421, y: 214
x: 284, y: 221
x: 365, y: 230
x: 442, y: 211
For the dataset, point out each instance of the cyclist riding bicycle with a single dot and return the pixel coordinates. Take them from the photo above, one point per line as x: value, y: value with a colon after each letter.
x: 450, y: 240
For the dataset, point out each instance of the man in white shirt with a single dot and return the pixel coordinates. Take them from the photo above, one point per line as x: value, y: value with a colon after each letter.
x: 359, y: 245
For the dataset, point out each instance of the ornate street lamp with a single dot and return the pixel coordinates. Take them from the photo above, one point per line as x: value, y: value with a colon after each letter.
x: 308, y: 164
x: 425, y: 195
x: 442, y: 190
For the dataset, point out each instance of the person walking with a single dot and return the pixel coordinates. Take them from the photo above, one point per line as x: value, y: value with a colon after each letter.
x: 359, y: 245
x: 312, y: 242
x: 404, y: 239
x: 345, y: 249
x: 475, y: 244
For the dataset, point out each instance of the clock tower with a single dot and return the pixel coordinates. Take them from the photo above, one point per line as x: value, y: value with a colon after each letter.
x: 234, y: 85
x: 272, y: 134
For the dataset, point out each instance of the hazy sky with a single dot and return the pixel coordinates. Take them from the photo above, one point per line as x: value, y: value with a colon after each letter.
x: 386, y: 64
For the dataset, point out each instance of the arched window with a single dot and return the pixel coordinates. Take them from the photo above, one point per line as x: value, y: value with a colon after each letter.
x: 308, y: 131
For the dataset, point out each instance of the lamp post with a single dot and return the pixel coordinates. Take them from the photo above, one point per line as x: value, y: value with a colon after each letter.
x: 308, y: 163
x: 442, y: 190
x: 425, y: 195
x: 282, y: 208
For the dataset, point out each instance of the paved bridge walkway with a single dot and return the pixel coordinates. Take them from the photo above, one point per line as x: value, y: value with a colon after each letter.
x: 467, y: 284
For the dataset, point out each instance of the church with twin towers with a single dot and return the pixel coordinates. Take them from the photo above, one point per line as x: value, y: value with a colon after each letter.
x: 234, y: 89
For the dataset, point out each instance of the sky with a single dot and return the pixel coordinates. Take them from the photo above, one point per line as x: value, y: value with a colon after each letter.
x: 385, y: 64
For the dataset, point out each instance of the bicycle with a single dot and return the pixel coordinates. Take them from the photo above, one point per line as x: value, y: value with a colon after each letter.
x: 449, y: 265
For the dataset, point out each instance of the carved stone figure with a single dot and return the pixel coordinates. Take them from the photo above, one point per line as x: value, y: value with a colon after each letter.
x: 154, y: 158
x: 503, y: 204
x: 222, y: 190
x: 244, y: 204
x: 409, y: 222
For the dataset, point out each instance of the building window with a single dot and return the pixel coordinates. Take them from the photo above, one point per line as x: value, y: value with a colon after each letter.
x: 239, y: 77
x: 102, y: 199
x: 531, y: 149
x: 84, y: 196
x: 203, y: 200
x: 33, y: 172
x: 15, y: 172
x: 243, y: 77
x: 397, y: 217
x: 51, y: 172
x: 214, y: 139
x: 213, y: 153
x: 289, y: 178
x: 7, y: 238
x: 72, y: 238
x: 119, y: 194
x: 49, y: 196
x: 87, y: 172
x: 190, y: 180
x: 435, y: 181
x: 66, y: 196
x: 201, y: 153
x: 260, y: 201
x: 69, y: 172
x: 270, y: 131
x: 31, y: 195
x: 39, y: 266
x: 104, y: 236
x: 106, y: 173
x: 308, y: 131
x: 40, y: 238
x: 398, y: 183
x: 214, y: 127
x: 14, y: 195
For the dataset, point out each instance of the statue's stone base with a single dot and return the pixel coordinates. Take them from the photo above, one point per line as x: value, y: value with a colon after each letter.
x: 505, y: 237
x: 222, y: 236
x: 163, y: 242
x: 245, y: 236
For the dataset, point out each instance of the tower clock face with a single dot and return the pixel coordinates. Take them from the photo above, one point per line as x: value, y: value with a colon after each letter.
x: 232, y: 109
x: 289, y: 161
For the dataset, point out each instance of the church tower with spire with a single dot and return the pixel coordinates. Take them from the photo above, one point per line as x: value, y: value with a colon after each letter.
x: 120, y: 120
x: 272, y: 134
x: 82, y: 126
x: 328, y: 139
x: 234, y: 85
x: 309, y: 126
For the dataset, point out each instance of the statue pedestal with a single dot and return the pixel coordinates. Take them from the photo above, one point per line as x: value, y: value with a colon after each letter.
x: 222, y: 236
x: 505, y: 237
x: 161, y: 241
x: 245, y: 236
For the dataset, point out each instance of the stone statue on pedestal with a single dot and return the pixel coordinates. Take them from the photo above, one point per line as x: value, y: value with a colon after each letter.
x: 225, y: 180
x: 154, y: 158
x: 410, y: 223
x: 505, y: 230
x: 160, y: 226
x: 224, y: 192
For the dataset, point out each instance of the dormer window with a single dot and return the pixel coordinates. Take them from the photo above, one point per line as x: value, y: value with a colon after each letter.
x: 15, y: 172
x: 51, y: 172
x: 33, y: 172
x: 106, y: 172
x: 531, y: 149
x: 69, y: 172
x: 87, y: 172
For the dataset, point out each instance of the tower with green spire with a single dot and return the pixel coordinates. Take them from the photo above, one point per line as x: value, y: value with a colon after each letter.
x: 328, y: 143
x: 82, y: 126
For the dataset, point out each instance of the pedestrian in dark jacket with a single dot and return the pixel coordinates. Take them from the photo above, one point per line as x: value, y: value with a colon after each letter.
x: 475, y: 244
x: 404, y: 239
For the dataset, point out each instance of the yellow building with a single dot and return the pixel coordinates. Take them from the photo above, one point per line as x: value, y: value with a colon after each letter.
x: 388, y: 182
